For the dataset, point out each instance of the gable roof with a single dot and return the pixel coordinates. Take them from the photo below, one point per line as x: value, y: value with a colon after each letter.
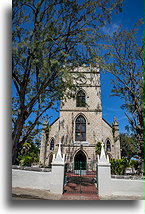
x: 106, y: 122
x: 54, y: 121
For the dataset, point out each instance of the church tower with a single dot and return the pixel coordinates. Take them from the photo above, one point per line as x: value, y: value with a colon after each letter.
x: 81, y: 118
x: 81, y: 126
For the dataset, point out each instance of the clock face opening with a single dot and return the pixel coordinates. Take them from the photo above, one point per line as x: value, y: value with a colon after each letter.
x: 81, y: 80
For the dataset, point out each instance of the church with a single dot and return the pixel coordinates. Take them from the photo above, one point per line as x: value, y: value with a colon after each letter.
x: 81, y: 126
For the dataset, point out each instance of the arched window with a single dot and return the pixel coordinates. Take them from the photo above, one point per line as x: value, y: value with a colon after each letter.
x: 80, y: 99
x: 108, y: 146
x: 52, y: 144
x: 80, y: 128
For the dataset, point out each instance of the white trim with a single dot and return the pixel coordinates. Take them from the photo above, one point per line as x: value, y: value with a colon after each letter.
x: 81, y: 142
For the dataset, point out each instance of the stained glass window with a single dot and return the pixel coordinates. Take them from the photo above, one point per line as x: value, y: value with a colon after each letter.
x: 80, y: 129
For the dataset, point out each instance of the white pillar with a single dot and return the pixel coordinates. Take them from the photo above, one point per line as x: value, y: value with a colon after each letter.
x: 57, y: 178
x: 104, y: 175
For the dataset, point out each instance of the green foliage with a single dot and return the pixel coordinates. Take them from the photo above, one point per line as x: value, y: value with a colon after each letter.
x: 124, y: 57
x: 49, y: 39
x: 118, y: 166
x: 98, y: 148
x: 135, y: 164
x: 47, y: 129
x: 28, y: 155
x: 129, y: 146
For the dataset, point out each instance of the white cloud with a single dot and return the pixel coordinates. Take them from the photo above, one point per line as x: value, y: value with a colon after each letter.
x: 110, y: 29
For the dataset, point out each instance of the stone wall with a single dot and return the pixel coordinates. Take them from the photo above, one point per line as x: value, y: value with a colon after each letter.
x: 53, y: 134
x: 108, y: 135
x: 93, y: 127
x: 32, y: 168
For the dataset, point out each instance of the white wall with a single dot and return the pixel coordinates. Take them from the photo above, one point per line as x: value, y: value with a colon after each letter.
x: 108, y: 186
x: 126, y: 187
x: 31, y: 179
x: 52, y: 181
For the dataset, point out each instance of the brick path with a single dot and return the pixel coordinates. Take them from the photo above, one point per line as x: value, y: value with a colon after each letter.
x: 80, y: 188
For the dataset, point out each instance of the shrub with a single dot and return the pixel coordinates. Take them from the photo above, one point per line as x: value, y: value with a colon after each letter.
x: 118, y: 166
x: 29, y: 154
x: 98, y: 148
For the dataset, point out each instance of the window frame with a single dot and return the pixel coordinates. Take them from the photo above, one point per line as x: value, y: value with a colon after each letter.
x: 81, y: 130
x: 52, y: 144
x: 108, y: 146
x: 81, y: 99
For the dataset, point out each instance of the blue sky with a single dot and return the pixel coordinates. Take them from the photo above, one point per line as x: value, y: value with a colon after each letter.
x: 132, y: 11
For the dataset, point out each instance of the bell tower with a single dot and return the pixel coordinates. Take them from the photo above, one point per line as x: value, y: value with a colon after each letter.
x: 80, y: 125
x: 86, y: 106
x: 89, y: 83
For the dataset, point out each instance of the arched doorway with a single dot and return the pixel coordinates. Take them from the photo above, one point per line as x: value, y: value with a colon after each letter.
x: 80, y: 161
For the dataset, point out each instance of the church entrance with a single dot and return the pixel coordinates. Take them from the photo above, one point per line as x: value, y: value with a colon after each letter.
x: 80, y: 162
x: 80, y: 180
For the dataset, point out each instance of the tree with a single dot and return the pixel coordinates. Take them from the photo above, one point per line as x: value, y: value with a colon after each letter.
x: 50, y: 38
x: 98, y: 148
x: 118, y: 166
x: 124, y: 56
x: 129, y: 146
x: 29, y: 154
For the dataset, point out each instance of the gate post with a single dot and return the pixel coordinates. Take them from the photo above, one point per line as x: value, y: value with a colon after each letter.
x: 104, y: 174
x: 57, y: 178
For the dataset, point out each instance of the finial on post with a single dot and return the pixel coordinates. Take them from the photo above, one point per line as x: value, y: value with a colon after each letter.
x: 103, y: 158
x: 115, y: 123
x: 59, y: 150
x: 59, y: 158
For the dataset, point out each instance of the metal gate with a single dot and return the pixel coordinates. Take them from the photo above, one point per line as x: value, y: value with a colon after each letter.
x: 80, y: 180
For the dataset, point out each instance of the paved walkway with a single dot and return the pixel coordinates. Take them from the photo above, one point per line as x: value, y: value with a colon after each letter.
x: 79, y: 197
x: 36, y: 194
x: 46, y: 195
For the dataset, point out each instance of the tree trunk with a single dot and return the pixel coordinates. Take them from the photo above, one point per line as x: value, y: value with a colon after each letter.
x: 16, y: 138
